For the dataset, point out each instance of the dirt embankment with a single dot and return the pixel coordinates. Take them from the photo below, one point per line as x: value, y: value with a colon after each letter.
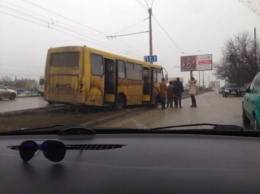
x: 48, y: 117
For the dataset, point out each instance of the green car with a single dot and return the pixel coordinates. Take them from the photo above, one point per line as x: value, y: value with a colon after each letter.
x: 251, y: 104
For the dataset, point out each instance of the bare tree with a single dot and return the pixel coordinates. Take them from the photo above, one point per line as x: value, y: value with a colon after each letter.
x: 253, y: 5
x: 6, y: 80
x: 238, y: 63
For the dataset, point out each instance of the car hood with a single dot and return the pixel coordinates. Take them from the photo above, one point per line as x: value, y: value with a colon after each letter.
x: 232, y: 88
x: 10, y: 90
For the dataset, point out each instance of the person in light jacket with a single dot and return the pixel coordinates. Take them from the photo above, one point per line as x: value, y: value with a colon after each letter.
x: 192, y: 91
x: 170, y: 94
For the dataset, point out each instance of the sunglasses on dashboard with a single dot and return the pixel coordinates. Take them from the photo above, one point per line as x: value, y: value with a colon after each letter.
x: 53, y: 150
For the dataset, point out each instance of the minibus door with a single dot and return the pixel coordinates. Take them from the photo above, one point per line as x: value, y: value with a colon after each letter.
x: 110, y: 89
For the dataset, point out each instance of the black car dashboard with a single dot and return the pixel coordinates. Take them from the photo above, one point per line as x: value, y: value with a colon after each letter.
x: 134, y: 163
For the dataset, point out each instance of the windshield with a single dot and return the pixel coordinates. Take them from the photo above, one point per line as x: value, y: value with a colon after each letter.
x: 128, y: 64
x: 64, y: 59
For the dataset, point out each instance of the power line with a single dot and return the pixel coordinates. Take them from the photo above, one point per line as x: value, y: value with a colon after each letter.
x: 252, y: 5
x: 16, y: 71
x: 167, y: 34
x: 138, y: 1
x: 148, y: 5
x: 127, y: 34
x: 141, y: 4
x: 51, y: 25
x: 130, y: 47
x: 79, y: 29
x: 69, y: 30
x: 23, y: 18
x: 57, y: 25
x: 14, y: 66
x: 152, y: 4
x: 82, y: 38
x: 22, y: 74
x: 23, y: 13
x: 131, y: 26
x: 160, y: 25
x: 63, y: 17
x: 47, y: 20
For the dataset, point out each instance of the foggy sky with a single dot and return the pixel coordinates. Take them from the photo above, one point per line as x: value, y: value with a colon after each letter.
x: 180, y: 27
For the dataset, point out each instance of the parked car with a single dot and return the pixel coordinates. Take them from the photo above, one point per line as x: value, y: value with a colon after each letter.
x: 251, y: 104
x: 25, y: 93
x: 231, y: 89
x: 7, y: 93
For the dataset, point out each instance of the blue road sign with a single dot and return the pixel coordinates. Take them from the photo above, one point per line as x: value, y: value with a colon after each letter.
x: 151, y: 59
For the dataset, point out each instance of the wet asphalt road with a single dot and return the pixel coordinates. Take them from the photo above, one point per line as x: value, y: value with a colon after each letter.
x: 23, y: 103
x: 212, y: 108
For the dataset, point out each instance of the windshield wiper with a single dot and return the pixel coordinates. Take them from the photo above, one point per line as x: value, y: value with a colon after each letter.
x: 76, y: 131
x: 216, y: 127
x: 55, y: 129
x: 200, y: 128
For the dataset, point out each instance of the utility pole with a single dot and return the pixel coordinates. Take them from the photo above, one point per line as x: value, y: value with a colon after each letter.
x: 255, y: 48
x: 203, y: 80
x: 150, y: 31
x: 199, y: 80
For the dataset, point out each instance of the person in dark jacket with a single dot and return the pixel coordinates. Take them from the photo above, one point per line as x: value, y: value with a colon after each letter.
x: 177, y: 89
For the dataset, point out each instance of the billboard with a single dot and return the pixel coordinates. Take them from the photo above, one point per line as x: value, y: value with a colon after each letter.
x: 196, y: 62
